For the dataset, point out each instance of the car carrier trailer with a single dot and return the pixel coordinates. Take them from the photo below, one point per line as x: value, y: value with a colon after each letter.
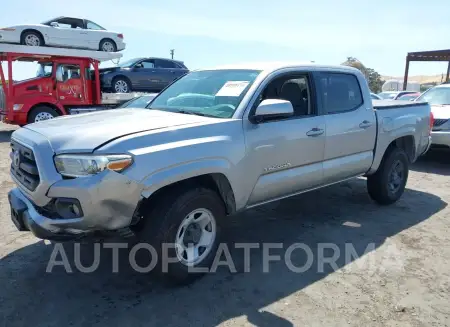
x: 67, y: 82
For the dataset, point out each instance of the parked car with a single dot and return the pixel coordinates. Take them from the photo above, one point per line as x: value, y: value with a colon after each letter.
x: 409, y: 96
x: 138, y: 102
x: 142, y: 74
x: 394, y: 95
x: 246, y: 135
x: 374, y: 96
x: 439, y: 99
x: 64, y: 32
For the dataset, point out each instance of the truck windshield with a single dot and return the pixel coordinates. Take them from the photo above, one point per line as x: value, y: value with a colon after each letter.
x: 436, y: 96
x: 44, y: 70
x: 214, y: 93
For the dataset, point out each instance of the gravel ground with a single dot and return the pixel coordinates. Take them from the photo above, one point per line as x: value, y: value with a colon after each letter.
x: 401, y: 278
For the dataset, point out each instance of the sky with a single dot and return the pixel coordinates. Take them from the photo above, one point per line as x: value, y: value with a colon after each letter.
x: 205, y: 33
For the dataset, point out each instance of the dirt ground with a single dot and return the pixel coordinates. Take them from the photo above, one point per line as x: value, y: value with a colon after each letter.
x: 403, y: 280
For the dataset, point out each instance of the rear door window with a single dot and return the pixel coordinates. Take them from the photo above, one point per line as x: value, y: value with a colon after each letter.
x: 339, y: 92
x: 164, y: 64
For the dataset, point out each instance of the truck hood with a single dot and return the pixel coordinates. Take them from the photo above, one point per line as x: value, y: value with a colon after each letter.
x: 441, y: 111
x: 86, y: 132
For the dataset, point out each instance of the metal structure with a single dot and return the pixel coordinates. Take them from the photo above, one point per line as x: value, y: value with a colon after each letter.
x: 435, y: 55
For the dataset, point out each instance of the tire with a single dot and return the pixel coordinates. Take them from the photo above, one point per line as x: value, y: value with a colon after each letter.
x: 163, y: 223
x: 385, y: 186
x: 121, y: 85
x: 32, y: 38
x: 107, y: 45
x: 41, y: 113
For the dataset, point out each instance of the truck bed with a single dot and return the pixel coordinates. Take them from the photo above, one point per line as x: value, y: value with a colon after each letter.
x: 402, y: 116
x: 391, y: 104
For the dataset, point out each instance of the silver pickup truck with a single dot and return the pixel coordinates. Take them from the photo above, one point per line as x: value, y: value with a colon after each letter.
x: 215, y: 142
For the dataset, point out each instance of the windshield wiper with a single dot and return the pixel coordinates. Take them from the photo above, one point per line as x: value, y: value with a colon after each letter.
x: 187, y: 112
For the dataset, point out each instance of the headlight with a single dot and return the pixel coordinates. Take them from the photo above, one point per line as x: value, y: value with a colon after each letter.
x: 17, y: 107
x: 85, y: 165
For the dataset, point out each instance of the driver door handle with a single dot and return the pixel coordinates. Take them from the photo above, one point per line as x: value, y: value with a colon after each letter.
x: 365, y: 124
x: 315, y: 132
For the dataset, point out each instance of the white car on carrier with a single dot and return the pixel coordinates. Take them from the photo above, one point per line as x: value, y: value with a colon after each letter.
x: 64, y: 32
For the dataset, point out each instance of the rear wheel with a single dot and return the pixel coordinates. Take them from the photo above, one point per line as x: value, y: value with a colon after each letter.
x: 32, y: 38
x: 41, y: 113
x: 108, y: 45
x: 187, y: 223
x: 387, y: 185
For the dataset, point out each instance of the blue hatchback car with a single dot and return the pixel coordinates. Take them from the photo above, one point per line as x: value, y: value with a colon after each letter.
x: 141, y: 74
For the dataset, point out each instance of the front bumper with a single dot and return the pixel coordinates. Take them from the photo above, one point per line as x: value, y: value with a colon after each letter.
x: 105, y: 82
x: 108, y: 201
x: 440, y: 138
x: 18, y: 118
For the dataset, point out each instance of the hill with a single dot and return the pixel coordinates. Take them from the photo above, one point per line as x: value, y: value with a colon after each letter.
x: 422, y: 79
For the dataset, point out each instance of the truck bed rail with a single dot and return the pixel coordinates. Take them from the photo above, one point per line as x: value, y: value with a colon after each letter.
x: 392, y: 104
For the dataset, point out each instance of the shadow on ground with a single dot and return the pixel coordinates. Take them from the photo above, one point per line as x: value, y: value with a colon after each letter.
x: 436, y: 161
x: 339, y: 214
x: 5, y: 136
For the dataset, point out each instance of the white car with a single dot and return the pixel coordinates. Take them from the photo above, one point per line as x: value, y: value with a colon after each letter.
x: 64, y: 32
x: 439, y: 99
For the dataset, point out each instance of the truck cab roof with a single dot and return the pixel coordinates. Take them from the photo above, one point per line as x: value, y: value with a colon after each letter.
x: 269, y: 67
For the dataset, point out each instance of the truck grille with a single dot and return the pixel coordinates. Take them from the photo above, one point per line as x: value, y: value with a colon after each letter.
x: 439, y: 122
x: 23, y: 166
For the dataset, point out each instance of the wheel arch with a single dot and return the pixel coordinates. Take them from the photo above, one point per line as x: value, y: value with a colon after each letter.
x: 31, y: 30
x: 59, y: 109
x: 406, y: 142
x: 215, y: 181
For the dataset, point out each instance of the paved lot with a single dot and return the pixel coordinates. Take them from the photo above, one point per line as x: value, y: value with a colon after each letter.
x: 403, y: 281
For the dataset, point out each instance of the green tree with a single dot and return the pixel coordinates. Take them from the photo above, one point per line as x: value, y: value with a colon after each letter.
x: 373, y: 78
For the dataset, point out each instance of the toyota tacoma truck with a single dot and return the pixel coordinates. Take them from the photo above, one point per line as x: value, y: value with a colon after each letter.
x: 215, y: 142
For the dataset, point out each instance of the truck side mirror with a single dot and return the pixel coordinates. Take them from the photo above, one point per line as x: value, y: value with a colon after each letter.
x: 272, y: 109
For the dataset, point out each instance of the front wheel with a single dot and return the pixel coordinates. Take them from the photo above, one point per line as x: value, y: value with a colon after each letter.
x: 387, y: 185
x: 32, y: 38
x: 41, y: 113
x: 121, y: 85
x: 184, y: 229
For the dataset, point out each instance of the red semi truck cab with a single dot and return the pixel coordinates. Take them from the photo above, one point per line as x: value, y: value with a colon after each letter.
x: 65, y: 79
